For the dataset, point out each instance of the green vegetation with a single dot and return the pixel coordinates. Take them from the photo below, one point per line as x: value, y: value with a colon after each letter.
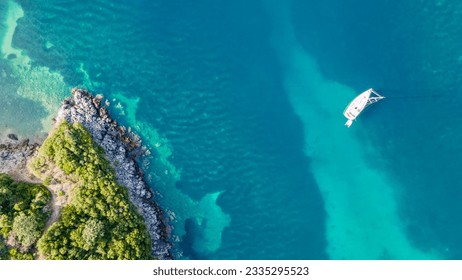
x: 27, y: 229
x: 22, y: 217
x: 47, y: 181
x: 99, y: 222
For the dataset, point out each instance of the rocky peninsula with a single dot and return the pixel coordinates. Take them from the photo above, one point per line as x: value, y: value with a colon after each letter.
x: 121, y: 148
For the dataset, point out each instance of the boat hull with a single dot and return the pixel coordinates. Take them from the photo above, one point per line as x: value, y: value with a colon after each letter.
x: 359, y: 103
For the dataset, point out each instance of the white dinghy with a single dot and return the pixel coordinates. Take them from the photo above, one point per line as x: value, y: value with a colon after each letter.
x: 360, y: 103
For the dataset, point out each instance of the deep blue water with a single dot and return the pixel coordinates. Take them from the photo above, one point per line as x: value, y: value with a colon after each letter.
x: 412, y: 51
x: 240, y: 103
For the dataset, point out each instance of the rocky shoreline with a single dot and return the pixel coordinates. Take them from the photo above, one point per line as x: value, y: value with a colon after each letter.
x: 14, y: 154
x: 122, y: 147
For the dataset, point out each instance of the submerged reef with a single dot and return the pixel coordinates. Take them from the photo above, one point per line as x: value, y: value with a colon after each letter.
x: 101, y: 206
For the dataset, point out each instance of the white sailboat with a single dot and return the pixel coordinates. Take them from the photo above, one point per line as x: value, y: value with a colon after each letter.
x: 361, y: 102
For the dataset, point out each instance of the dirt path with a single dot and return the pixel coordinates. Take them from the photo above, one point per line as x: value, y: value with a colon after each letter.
x: 59, y: 199
x: 55, y: 210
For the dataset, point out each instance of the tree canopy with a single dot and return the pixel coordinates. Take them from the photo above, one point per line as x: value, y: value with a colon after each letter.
x: 23, y: 214
x: 100, y: 222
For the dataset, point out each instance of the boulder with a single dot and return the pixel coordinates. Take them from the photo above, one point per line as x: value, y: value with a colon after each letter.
x: 13, y: 136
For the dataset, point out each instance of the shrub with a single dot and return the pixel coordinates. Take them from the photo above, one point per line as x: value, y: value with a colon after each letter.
x: 47, y: 181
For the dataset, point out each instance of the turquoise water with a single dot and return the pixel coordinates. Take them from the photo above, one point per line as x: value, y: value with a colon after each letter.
x: 240, y: 104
